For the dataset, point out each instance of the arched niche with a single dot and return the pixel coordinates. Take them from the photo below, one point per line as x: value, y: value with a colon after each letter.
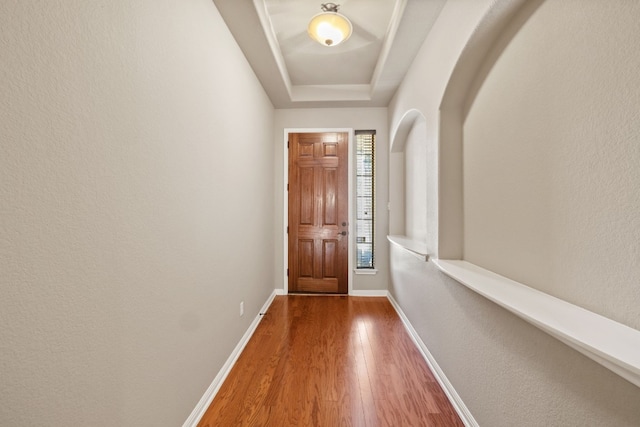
x: 408, y: 170
x: 472, y: 67
x: 589, y: 332
x: 401, y: 132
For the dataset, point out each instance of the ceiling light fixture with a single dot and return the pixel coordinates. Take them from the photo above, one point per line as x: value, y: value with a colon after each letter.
x: 329, y: 28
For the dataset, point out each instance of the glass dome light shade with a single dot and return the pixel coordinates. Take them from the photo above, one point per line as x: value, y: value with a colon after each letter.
x: 329, y: 28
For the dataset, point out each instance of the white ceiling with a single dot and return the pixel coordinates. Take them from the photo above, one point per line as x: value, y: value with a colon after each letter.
x: 363, y: 71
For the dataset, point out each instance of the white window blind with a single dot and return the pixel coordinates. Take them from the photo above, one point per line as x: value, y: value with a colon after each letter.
x: 365, y: 200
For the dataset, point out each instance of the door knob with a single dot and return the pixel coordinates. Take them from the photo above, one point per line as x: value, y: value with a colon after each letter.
x: 344, y: 233
x: 344, y: 224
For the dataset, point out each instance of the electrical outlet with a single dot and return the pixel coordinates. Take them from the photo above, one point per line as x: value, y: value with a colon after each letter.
x: 241, y: 308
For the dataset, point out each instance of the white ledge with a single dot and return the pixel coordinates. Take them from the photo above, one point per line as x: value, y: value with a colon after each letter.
x: 415, y: 247
x: 612, y: 344
x: 366, y: 271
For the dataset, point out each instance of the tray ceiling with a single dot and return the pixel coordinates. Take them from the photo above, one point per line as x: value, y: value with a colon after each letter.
x: 297, y: 72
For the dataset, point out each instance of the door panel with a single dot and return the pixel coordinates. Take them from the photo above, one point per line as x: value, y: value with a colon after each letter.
x: 307, y: 196
x: 330, y: 196
x: 329, y: 249
x: 305, y: 251
x: 318, y: 212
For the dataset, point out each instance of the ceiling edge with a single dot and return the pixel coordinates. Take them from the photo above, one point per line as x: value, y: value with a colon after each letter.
x: 267, y: 27
x: 394, y: 24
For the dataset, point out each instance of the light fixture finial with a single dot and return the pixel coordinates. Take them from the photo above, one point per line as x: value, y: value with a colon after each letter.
x: 329, y: 7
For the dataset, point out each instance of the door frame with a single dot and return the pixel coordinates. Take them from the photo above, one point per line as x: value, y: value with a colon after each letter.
x: 285, y: 219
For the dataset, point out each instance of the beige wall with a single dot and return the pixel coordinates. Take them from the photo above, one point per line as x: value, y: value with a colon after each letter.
x: 415, y: 182
x: 551, y: 167
x: 336, y: 118
x: 135, y: 214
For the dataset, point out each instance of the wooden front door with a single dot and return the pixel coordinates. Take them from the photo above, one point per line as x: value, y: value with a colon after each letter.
x: 318, y: 212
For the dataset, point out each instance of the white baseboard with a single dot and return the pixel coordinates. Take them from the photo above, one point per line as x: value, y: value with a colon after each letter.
x: 452, y: 395
x: 354, y: 293
x: 373, y: 293
x: 211, y: 392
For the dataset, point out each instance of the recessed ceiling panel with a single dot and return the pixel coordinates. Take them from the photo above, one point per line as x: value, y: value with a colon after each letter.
x: 298, y: 72
x: 310, y: 63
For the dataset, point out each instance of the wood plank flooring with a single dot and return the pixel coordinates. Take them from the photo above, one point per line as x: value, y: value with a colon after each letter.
x: 330, y: 361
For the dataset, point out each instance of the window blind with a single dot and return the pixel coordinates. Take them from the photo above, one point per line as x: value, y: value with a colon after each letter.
x: 365, y: 198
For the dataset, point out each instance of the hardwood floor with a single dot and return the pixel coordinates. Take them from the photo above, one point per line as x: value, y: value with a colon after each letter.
x: 330, y: 361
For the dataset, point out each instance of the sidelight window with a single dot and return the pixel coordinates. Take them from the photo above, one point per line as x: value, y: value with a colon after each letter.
x: 365, y: 200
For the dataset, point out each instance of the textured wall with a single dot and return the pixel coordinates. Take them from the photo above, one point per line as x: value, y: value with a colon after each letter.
x: 355, y: 118
x: 552, y: 158
x: 133, y: 202
x: 508, y: 372
x: 415, y: 181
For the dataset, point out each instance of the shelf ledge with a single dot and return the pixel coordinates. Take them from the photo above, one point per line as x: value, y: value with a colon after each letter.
x: 611, y: 344
x: 415, y: 247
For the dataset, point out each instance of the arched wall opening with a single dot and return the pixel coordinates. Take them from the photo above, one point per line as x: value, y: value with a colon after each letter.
x: 474, y: 64
x: 537, y: 158
x: 409, y: 179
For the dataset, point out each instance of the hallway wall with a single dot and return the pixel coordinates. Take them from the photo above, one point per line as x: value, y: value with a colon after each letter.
x: 135, y: 214
x: 550, y: 169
